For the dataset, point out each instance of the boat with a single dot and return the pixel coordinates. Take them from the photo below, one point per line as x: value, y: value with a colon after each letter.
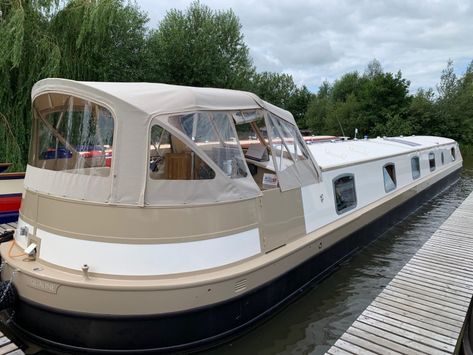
x: 162, y: 218
x: 11, y: 189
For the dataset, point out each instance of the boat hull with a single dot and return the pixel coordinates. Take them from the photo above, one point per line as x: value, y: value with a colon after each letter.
x: 204, y: 325
x: 11, y: 187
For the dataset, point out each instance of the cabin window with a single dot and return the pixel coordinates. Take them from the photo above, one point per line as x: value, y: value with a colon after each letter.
x: 345, y: 193
x: 215, y: 135
x: 389, y: 175
x: 171, y: 159
x: 442, y: 158
x: 432, y: 161
x: 415, y: 167
x: 287, y: 143
x: 254, y: 140
x: 72, y: 135
x: 452, y: 153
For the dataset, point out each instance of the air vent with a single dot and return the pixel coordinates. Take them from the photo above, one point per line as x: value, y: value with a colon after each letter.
x: 240, y: 285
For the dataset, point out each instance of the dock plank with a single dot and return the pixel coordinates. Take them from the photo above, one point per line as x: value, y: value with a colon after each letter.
x: 423, y: 308
x: 8, y: 348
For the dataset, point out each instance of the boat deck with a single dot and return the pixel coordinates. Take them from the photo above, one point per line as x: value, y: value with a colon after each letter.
x: 6, y: 345
x: 423, y: 309
x: 7, y: 226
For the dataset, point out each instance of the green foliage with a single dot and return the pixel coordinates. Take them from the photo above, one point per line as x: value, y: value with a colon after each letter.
x: 84, y: 39
x: 107, y: 40
x: 100, y: 40
x: 199, y: 47
x: 367, y: 102
x: 379, y: 104
x: 280, y: 90
x: 27, y: 54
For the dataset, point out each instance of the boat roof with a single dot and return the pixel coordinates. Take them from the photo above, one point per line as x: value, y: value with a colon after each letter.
x: 334, y: 154
x: 156, y: 99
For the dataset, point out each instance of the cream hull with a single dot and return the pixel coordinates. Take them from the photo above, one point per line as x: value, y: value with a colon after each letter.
x: 224, y: 298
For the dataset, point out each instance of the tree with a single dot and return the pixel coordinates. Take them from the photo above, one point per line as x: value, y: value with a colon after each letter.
x: 199, y: 47
x: 27, y: 54
x: 280, y: 90
x: 376, y: 103
x: 79, y: 39
x: 448, y: 81
x: 101, y: 40
x: 423, y: 113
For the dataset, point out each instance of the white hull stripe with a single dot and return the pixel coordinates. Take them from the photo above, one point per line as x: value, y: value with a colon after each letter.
x: 147, y: 259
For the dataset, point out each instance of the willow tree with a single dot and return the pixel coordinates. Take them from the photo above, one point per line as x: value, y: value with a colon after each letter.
x: 101, y: 40
x: 200, y: 47
x: 77, y: 39
x: 27, y: 54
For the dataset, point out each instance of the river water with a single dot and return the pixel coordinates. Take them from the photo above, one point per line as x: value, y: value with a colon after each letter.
x: 313, y: 323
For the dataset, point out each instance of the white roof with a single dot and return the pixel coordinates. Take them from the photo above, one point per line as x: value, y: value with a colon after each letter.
x: 155, y: 99
x: 330, y: 155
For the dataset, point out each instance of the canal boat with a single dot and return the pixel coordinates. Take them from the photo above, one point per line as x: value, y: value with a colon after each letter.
x: 194, y: 214
x: 11, y: 188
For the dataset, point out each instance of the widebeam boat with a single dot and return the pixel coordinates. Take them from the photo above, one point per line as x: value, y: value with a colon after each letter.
x: 159, y: 217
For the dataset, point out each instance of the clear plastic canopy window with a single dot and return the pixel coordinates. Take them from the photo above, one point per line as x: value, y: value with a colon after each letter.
x: 287, y: 144
x: 214, y: 133
x: 171, y: 159
x: 71, y: 135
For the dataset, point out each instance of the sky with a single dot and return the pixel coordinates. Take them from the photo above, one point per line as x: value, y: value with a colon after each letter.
x: 321, y: 40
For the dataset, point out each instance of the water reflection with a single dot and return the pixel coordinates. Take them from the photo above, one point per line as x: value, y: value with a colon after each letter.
x: 315, y: 321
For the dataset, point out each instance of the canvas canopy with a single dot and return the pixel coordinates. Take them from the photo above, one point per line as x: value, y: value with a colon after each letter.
x: 121, y: 116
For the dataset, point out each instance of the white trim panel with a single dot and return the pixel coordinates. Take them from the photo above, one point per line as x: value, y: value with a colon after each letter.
x: 147, y: 259
x: 22, y: 240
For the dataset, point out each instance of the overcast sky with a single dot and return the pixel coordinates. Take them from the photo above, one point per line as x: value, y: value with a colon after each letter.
x: 320, y: 40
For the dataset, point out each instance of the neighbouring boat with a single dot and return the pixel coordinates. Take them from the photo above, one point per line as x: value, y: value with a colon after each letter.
x: 159, y: 217
x: 11, y: 189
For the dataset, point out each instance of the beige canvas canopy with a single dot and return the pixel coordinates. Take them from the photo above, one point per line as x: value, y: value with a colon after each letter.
x: 158, y: 99
x: 135, y: 107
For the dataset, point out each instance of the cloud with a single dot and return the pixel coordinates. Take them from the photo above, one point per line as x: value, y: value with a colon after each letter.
x: 316, y: 40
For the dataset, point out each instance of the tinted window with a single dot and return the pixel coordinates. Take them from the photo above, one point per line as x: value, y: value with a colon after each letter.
x: 389, y: 175
x: 452, y: 153
x: 432, y: 161
x: 415, y: 167
x: 442, y: 158
x: 345, y: 193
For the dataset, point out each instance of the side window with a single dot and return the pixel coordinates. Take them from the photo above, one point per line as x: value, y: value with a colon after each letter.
x: 442, y: 158
x: 452, y: 153
x: 171, y: 159
x: 345, y: 193
x: 288, y: 145
x: 215, y: 134
x: 432, y: 161
x: 389, y: 175
x: 415, y: 167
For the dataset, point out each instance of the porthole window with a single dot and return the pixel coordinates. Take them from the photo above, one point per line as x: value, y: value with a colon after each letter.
x: 452, y: 153
x: 415, y: 167
x: 389, y: 175
x: 345, y: 193
x: 432, y: 161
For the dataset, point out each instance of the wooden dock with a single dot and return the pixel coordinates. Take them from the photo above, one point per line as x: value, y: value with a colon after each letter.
x: 8, y: 347
x: 422, y: 310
